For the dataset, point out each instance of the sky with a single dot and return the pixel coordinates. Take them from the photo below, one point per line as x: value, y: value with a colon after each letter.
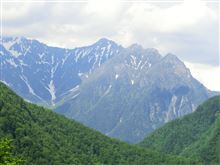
x: 186, y: 28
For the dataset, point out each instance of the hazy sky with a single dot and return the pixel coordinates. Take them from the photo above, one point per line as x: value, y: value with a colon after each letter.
x: 186, y: 28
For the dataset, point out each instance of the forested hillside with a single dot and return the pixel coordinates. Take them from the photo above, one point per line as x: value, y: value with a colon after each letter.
x: 196, y: 135
x: 42, y: 137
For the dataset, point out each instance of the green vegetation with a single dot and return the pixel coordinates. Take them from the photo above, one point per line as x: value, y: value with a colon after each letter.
x: 195, y: 135
x: 42, y: 137
x: 6, y: 157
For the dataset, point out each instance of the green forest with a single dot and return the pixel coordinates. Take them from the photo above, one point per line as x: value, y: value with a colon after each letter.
x: 195, y: 135
x: 33, y: 135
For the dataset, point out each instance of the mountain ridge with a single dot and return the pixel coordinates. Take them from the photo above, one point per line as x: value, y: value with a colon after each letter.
x: 50, y: 59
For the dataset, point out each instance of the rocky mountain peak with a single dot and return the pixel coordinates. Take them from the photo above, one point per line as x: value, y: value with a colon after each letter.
x: 171, y: 57
x: 173, y: 61
x: 136, y: 47
x: 105, y: 42
x: 172, y: 71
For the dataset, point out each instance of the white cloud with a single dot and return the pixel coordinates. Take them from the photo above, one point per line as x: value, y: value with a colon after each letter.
x: 206, y: 74
x: 188, y: 29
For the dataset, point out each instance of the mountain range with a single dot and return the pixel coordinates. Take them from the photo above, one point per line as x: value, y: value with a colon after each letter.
x: 125, y: 93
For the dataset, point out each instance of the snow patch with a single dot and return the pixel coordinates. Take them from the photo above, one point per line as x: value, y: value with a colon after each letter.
x: 42, y: 62
x: 12, y: 62
x: 108, y: 90
x: 53, y: 68
x: 133, y: 61
x: 183, y: 100
x: 22, y: 63
x: 108, y: 48
x: 1, y: 53
x: 65, y: 58
x: 73, y: 97
x: 8, y: 45
x: 116, y: 76
x: 172, y: 109
x: 80, y: 74
x: 193, y: 107
x: 26, y: 51
x: 41, y: 55
x: 74, y: 89
x: 51, y: 89
x: 77, y: 55
x: 29, y: 86
x: 142, y: 66
x: 14, y: 53
x: 5, y: 83
x: 173, y: 104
